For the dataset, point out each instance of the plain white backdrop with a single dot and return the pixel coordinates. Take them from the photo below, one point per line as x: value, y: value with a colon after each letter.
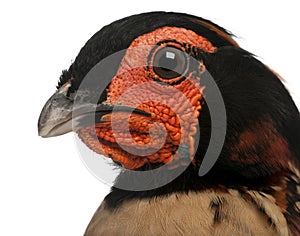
x: 45, y: 188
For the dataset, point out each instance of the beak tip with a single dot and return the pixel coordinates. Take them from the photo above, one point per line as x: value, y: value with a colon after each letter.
x: 55, y: 117
x: 50, y: 129
x: 41, y: 126
x: 41, y: 132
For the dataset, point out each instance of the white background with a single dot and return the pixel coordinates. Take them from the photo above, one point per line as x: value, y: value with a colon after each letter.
x: 45, y: 188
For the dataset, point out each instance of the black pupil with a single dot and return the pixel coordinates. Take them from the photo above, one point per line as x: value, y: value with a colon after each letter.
x: 168, y: 61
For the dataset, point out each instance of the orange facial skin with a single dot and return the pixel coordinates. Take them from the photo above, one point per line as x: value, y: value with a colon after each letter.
x: 174, y: 105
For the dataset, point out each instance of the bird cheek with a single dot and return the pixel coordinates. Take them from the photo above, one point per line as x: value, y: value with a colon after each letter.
x: 139, y: 140
x: 124, y: 80
x: 132, y: 139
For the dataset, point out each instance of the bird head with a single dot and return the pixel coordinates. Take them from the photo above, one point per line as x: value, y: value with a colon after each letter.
x: 156, y: 84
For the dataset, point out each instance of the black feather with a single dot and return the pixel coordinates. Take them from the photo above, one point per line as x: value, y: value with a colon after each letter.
x: 119, y: 35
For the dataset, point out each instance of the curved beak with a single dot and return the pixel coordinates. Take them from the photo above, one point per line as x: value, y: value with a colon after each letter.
x: 56, y: 116
x: 60, y: 115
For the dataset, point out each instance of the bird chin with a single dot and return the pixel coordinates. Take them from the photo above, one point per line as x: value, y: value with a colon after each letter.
x: 132, y: 142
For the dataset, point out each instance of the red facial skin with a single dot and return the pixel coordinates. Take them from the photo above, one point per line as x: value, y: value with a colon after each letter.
x: 153, y: 98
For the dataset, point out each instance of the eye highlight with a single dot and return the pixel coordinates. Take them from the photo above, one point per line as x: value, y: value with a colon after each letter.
x: 169, y: 63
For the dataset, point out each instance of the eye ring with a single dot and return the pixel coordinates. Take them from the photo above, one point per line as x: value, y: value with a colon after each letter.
x: 169, y: 63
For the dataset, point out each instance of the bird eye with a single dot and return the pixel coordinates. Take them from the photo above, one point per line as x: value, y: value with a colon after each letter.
x: 169, y: 62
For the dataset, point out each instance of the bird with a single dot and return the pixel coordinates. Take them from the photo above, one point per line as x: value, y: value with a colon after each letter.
x: 155, y: 83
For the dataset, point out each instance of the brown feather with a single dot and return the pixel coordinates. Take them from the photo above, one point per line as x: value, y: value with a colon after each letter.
x: 204, y: 213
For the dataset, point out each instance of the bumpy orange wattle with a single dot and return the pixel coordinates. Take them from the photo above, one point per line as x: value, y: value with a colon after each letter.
x: 134, y: 71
